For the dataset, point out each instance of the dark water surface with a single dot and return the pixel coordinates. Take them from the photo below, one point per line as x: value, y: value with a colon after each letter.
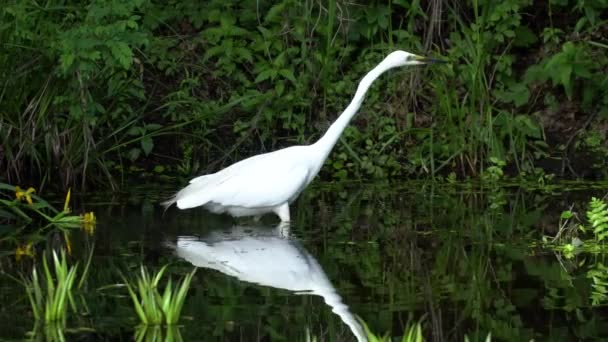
x: 464, y: 260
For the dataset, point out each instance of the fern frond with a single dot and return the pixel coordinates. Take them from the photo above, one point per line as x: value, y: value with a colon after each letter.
x: 598, y: 218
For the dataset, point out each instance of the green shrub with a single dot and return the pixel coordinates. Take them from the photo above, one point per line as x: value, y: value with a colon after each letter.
x: 92, y: 90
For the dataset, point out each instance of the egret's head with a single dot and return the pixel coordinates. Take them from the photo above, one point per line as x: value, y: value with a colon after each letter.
x: 402, y: 58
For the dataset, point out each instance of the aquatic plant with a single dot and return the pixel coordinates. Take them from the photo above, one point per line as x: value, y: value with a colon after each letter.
x: 153, y: 308
x: 169, y: 333
x: 24, y: 250
x: 597, y: 215
x: 26, y: 207
x: 50, y: 293
x: 411, y: 333
x: 47, y: 331
x: 577, y: 236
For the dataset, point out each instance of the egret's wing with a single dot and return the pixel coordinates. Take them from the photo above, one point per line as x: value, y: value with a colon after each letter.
x: 262, y: 187
x: 222, y: 175
x: 262, y: 181
x: 196, y: 187
x: 202, y: 178
x: 200, y: 189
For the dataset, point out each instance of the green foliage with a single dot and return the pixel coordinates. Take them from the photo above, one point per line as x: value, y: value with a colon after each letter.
x: 92, y: 90
x: 49, y: 331
x: 78, y: 91
x: 157, y: 333
x: 574, y: 65
x: 495, y: 172
x: 474, y: 129
x: 599, y: 277
x: 597, y: 215
x: 26, y: 208
x: 50, y: 294
x: 592, y: 143
x: 411, y: 334
x: 572, y: 240
x: 153, y: 308
x: 573, y: 234
x: 402, y: 247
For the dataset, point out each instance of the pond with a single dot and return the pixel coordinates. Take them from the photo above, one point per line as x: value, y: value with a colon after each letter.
x: 463, y: 260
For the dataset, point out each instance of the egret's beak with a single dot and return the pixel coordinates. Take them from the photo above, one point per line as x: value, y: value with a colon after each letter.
x: 428, y: 60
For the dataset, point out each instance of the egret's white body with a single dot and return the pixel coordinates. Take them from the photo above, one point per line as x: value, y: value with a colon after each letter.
x: 269, y: 182
x: 252, y: 254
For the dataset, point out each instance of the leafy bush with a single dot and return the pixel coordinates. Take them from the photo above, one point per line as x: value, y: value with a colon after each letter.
x: 94, y: 89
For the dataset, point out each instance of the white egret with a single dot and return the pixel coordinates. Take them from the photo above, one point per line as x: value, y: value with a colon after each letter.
x: 269, y: 182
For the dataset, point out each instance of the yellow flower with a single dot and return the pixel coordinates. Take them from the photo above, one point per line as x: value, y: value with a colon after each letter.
x: 88, y: 217
x: 27, y: 194
x: 88, y: 222
x: 24, y: 250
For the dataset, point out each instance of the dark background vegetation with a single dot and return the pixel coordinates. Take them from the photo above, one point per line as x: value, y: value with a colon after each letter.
x: 93, y: 93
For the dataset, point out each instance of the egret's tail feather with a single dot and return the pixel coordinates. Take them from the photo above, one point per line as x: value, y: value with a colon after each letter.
x: 169, y: 202
x: 169, y: 244
x: 195, y: 194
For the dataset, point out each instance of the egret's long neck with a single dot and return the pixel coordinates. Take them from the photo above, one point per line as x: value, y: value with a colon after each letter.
x: 327, y: 141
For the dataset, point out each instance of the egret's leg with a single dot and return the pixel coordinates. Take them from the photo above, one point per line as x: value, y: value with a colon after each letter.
x: 283, y: 212
x: 283, y: 229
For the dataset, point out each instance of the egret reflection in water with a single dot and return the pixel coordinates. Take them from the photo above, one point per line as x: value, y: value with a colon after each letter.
x: 266, y: 256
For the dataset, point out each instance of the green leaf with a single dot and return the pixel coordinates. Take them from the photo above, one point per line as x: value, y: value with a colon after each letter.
x: 518, y: 94
x: 280, y: 87
x: 581, y: 70
x: 288, y: 74
x: 566, y: 215
x: 122, y: 53
x: 274, y: 11
x: 136, y: 130
x: 159, y: 169
x: 524, y: 37
x: 264, y: 75
x: 133, y: 154
x: 564, y: 72
x: 66, y: 61
x: 244, y: 54
x: 147, y: 144
x: 153, y: 126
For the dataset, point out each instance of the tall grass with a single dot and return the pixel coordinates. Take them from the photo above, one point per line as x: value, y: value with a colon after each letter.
x: 49, y: 332
x: 50, y: 293
x: 466, y: 131
x: 152, y: 307
x: 411, y: 334
x: 479, y: 96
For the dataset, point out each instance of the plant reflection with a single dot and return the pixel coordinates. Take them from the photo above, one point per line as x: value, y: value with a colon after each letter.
x: 266, y: 256
x: 170, y: 333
